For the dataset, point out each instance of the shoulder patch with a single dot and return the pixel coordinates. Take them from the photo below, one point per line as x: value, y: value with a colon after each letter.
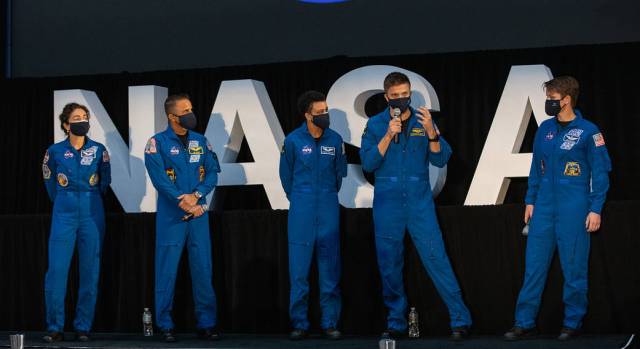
x: 46, y: 172
x: 598, y: 139
x: 151, y: 148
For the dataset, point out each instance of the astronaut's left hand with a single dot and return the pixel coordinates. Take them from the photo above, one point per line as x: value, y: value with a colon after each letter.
x: 197, y: 211
x: 593, y: 222
x: 424, y: 118
x: 187, y: 201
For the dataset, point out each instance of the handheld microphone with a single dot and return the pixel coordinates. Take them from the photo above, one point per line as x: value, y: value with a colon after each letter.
x: 525, y: 230
x: 189, y: 215
x: 396, y: 114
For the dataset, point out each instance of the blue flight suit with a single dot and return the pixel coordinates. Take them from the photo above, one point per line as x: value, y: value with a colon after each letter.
x: 75, y: 181
x: 403, y: 200
x: 569, y: 178
x: 311, y: 173
x: 176, y: 169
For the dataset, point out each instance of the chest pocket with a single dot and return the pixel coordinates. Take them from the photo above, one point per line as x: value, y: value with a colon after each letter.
x: 173, y: 155
x: 307, y: 159
x: 419, y: 152
x: 306, y: 154
x: 328, y: 156
x: 66, y: 164
x: 572, y: 145
x: 89, y: 162
x: 195, y: 151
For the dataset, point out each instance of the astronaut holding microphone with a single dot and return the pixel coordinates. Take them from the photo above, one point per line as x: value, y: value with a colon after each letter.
x: 397, y: 146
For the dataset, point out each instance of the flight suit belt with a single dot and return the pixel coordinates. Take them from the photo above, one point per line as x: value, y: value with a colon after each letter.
x: 398, y: 179
x: 81, y: 193
x: 311, y: 190
x: 567, y: 180
x: 579, y: 185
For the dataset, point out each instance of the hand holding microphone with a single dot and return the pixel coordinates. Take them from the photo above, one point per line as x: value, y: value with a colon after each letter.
x: 395, y: 125
x: 195, y: 212
x: 528, y: 213
x: 396, y: 117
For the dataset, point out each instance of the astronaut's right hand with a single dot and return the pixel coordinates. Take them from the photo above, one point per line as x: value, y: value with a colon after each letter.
x: 395, y: 127
x: 528, y: 213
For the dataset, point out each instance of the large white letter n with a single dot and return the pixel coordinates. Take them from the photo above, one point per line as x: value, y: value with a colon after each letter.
x: 500, y: 160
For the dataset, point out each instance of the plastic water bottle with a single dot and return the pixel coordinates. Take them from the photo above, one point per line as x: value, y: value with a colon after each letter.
x: 414, y: 327
x: 147, y: 323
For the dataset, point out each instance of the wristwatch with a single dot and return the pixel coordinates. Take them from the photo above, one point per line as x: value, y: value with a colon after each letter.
x: 197, y: 194
x: 435, y: 139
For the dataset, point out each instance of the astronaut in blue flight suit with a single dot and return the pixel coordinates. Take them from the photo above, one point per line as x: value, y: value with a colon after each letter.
x: 403, y: 200
x: 568, y: 182
x: 76, y: 173
x: 184, y: 169
x: 312, y: 164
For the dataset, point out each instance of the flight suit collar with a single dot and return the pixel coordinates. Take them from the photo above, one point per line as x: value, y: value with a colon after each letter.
x: 172, y: 134
x: 305, y: 131
x: 573, y: 122
x: 87, y: 143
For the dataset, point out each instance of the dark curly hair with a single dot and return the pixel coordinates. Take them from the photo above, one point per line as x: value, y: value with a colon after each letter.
x: 306, y: 100
x: 66, y: 114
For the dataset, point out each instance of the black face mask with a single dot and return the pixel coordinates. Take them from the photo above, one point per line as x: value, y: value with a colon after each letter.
x: 321, y: 120
x: 552, y: 107
x: 401, y: 103
x: 79, y: 128
x: 188, y: 121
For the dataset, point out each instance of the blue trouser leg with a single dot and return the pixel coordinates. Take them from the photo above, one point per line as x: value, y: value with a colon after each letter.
x: 427, y: 237
x: 390, y: 252
x: 170, y: 240
x: 90, y: 237
x: 541, y: 243
x: 390, y: 223
x: 301, y: 235
x: 573, y: 249
x: 62, y: 238
x: 328, y: 254
x: 199, y: 248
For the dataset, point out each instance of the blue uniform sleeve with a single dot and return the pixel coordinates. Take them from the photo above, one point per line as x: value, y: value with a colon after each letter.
x: 341, y: 165
x: 48, y: 171
x: 155, y: 167
x: 533, y: 183
x: 105, y: 172
x: 287, y: 158
x: 440, y: 158
x: 211, y: 170
x: 369, y: 154
x: 598, y: 158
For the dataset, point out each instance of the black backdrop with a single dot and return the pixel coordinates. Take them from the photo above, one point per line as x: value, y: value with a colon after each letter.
x: 249, y: 239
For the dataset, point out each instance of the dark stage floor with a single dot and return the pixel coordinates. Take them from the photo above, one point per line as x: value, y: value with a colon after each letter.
x: 239, y: 341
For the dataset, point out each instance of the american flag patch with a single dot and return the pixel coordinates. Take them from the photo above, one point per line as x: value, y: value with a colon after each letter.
x: 598, y: 139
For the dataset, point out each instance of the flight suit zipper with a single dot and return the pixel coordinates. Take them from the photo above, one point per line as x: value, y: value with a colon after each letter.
x: 316, y: 182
